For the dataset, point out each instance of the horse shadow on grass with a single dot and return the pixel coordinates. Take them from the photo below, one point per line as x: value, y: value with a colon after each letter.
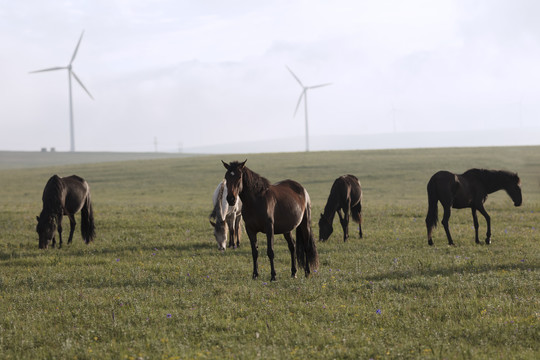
x: 429, y: 271
x: 94, y: 250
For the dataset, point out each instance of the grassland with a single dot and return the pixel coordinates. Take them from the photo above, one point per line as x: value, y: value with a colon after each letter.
x: 154, y: 286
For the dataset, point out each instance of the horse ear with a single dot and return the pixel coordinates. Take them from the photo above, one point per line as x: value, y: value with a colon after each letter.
x: 37, y: 218
x: 225, y: 164
x: 242, y: 164
x: 212, y: 223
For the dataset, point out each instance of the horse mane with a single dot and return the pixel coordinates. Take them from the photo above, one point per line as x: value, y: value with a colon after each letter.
x: 254, y: 181
x: 217, y: 207
x: 332, y: 202
x: 497, y: 178
x: 52, y: 195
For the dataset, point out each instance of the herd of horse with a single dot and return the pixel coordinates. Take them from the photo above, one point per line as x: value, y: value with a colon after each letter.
x: 284, y: 207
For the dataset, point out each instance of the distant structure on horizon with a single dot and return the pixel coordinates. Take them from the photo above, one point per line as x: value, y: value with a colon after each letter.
x: 303, y: 95
x: 71, y: 73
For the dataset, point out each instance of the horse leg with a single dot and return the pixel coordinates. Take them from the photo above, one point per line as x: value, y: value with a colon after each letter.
x: 72, y: 224
x: 230, y: 225
x: 59, y: 220
x: 344, y: 220
x: 358, y: 208
x: 444, y: 221
x: 237, y: 229
x: 270, y: 248
x: 292, y: 250
x: 475, y: 221
x: 488, y: 221
x: 254, y: 252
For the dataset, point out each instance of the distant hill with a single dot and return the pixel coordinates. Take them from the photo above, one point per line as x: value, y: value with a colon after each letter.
x: 399, y: 140
x: 22, y: 159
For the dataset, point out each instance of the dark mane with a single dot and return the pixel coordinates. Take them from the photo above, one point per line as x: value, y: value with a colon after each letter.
x: 258, y: 183
x: 493, y: 179
x: 51, y: 195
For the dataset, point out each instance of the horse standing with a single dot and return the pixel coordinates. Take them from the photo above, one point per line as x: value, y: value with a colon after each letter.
x: 468, y: 190
x: 65, y: 196
x: 227, y: 218
x: 346, y: 195
x: 273, y: 209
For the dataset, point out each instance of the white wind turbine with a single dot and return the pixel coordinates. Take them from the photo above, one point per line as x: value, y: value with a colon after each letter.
x: 303, y: 95
x: 71, y: 73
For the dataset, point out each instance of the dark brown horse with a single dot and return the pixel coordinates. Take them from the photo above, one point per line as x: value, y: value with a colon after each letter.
x: 65, y: 196
x: 346, y: 195
x: 273, y: 209
x: 468, y: 190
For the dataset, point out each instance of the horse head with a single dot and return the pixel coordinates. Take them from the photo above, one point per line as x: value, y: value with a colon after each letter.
x: 45, y: 228
x: 514, y: 190
x: 325, y: 228
x: 220, y: 234
x: 233, y: 178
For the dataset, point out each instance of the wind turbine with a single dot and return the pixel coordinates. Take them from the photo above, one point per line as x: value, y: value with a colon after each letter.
x: 303, y: 95
x: 71, y: 73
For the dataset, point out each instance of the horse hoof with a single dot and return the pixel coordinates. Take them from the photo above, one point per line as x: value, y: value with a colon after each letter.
x: 430, y: 242
x: 488, y: 241
x: 255, y: 276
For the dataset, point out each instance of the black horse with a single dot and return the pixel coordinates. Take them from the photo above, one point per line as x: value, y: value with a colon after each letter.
x: 346, y: 195
x: 468, y: 190
x: 273, y: 209
x: 65, y: 196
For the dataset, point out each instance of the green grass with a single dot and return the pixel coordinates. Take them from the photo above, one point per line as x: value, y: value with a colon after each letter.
x: 154, y: 286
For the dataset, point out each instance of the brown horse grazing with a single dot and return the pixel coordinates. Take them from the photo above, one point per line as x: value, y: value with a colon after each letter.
x: 273, y: 209
x: 65, y: 196
x: 468, y: 190
x: 346, y: 195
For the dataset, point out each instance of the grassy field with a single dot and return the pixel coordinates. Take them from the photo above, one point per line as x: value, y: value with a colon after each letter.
x: 154, y: 286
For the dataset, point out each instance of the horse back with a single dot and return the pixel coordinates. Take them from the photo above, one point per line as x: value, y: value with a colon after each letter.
x: 285, y: 204
x: 347, y: 187
x: 76, y: 191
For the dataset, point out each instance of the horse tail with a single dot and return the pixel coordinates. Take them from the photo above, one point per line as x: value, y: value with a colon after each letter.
x: 433, y: 210
x: 306, y: 250
x: 87, y: 221
x: 356, y: 212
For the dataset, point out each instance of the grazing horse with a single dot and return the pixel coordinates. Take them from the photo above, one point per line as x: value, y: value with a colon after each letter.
x: 346, y: 195
x: 65, y: 196
x: 468, y: 190
x: 227, y: 217
x: 273, y: 209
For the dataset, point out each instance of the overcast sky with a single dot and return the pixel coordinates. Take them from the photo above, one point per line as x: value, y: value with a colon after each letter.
x: 200, y: 73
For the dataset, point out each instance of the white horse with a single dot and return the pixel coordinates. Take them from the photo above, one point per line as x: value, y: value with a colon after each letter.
x: 227, y: 217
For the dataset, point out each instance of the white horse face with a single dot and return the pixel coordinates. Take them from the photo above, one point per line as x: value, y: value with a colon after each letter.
x: 220, y: 233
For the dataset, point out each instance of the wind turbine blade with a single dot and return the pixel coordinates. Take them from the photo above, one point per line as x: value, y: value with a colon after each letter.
x: 318, y: 86
x: 296, y: 77
x: 49, y: 69
x: 80, y: 83
x: 299, y: 101
x: 76, y: 49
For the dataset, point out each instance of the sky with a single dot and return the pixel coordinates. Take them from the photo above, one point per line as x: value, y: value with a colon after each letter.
x: 176, y: 75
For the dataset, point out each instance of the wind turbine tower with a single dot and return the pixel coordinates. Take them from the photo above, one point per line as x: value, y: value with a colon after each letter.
x: 71, y: 74
x: 303, y: 95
